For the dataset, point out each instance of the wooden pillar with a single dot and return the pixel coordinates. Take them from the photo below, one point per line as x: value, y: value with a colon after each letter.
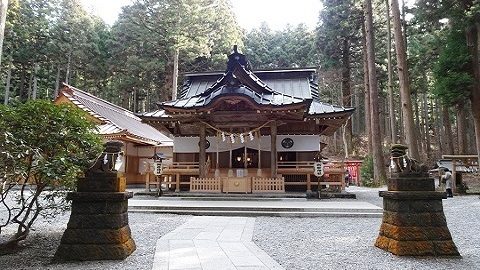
x: 454, y: 175
x: 273, y: 149
x: 147, y: 181
x: 245, y: 162
x: 177, y: 182
x: 217, y: 164
x: 259, y: 169
x: 202, y: 153
x: 309, y: 183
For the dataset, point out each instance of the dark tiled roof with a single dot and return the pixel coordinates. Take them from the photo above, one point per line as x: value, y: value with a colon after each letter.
x: 274, y: 98
x: 115, y: 119
x: 264, y: 87
x: 321, y: 108
x: 294, y: 82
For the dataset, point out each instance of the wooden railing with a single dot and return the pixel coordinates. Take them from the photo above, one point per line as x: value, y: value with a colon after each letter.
x: 269, y: 185
x: 181, y: 168
x: 205, y: 184
x: 295, y: 165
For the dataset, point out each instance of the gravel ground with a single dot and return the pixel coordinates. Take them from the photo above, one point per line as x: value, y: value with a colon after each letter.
x: 347, y: 243
x: 296, y: 243
x: 41, y: 245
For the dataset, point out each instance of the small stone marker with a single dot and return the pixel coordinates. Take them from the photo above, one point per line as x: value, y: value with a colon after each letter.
x: 413, y: 221
x: 98, y: 227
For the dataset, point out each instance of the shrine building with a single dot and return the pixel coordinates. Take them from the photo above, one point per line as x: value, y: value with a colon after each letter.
x: 246, y: 131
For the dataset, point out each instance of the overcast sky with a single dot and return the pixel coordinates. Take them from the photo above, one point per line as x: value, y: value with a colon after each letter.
x: 249, y: 13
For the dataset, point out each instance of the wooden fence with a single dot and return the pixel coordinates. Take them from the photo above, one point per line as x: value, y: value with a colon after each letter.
x: 205, y: 184
x: 260, y: 185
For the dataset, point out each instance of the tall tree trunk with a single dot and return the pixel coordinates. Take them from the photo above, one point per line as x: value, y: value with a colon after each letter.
x: 447, y: 136
x: 470, y: 132
x: 67, y: 73
x: 473, y: 42
x: 3, y: 18
x: 378, y: 162
x: 405, y: 95
x: 366, y: 85
x: 418, y: 127
x: 35, y: 89
x: 7, y: 86
x: 135, y: 100
x: 23, y: 75
x: 404, y: 24
x: 57, y: 82
x: 30, y: 85
x: 391, y: 104
x: 439, y: 127
x: 125, y: 99
x: 356, y: 130
x: 461, y: 128
x: 347, y: 94
x: 175, y: 74
x: 426, y: 125
x: 381, y: 117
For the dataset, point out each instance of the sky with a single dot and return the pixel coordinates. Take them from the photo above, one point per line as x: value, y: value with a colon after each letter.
x: 250, y: 13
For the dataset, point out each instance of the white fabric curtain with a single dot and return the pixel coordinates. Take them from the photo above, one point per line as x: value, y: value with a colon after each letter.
x: 300, y: 143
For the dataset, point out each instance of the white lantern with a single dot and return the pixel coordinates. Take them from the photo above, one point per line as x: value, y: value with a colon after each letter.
x: 119, y: 163
x: 157, y: 167
x: 250, y: 135
x: 318, y: 169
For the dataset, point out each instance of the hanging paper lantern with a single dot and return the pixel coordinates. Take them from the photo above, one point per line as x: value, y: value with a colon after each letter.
x: 242, y: 139
x: 250, y: 135
x: 232, y: 138
x: 223, y: 136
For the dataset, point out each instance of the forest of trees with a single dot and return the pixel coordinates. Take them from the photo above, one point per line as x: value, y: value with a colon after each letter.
x: 412, y: 72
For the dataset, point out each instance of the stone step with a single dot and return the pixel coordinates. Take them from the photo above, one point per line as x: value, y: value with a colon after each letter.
x: 223, y: 196
x: 252, y: 209
x: 259, y: 213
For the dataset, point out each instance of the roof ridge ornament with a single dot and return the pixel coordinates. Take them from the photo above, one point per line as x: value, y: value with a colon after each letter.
x: 237, y: 57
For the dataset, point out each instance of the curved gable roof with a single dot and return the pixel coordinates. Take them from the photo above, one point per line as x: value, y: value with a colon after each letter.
x: 114, y: 119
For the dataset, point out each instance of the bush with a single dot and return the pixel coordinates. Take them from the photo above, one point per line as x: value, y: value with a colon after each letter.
x: 43, y: 149
x: 366, y: 172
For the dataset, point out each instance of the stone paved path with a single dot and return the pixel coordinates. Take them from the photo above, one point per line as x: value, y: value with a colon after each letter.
x: 212, y: 243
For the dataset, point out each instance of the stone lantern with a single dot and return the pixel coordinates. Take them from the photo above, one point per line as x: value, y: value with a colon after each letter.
x: 98, y: 227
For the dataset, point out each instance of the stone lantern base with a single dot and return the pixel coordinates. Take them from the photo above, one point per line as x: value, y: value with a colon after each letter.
x: 98, y: 228
x: 413, y: 221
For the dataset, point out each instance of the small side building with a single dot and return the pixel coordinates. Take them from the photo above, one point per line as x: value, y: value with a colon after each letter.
x: 142, y: 141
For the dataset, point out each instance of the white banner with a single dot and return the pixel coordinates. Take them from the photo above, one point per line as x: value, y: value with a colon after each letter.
x: 300, y: 143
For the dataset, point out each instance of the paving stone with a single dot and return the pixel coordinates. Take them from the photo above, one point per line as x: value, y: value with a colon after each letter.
x: 212, y: 243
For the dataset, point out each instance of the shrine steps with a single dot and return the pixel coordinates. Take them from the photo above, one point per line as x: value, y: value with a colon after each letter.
x: 276, y: 208
x: 243, y: 196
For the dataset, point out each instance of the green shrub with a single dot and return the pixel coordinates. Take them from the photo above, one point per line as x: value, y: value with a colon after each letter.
x: 366, y: 172
x: 43, y: 149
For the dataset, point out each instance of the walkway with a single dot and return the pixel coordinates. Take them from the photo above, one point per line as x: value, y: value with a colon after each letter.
x: 208, y: 242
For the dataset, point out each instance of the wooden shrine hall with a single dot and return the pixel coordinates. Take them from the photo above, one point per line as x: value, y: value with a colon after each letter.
x: 246, y: 131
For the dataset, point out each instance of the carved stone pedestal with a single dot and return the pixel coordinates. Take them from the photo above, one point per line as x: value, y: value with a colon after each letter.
x: 98, y: 227
x: 413, y: 220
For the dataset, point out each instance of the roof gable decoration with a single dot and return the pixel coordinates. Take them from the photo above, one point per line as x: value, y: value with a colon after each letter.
x: 239, y: 74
